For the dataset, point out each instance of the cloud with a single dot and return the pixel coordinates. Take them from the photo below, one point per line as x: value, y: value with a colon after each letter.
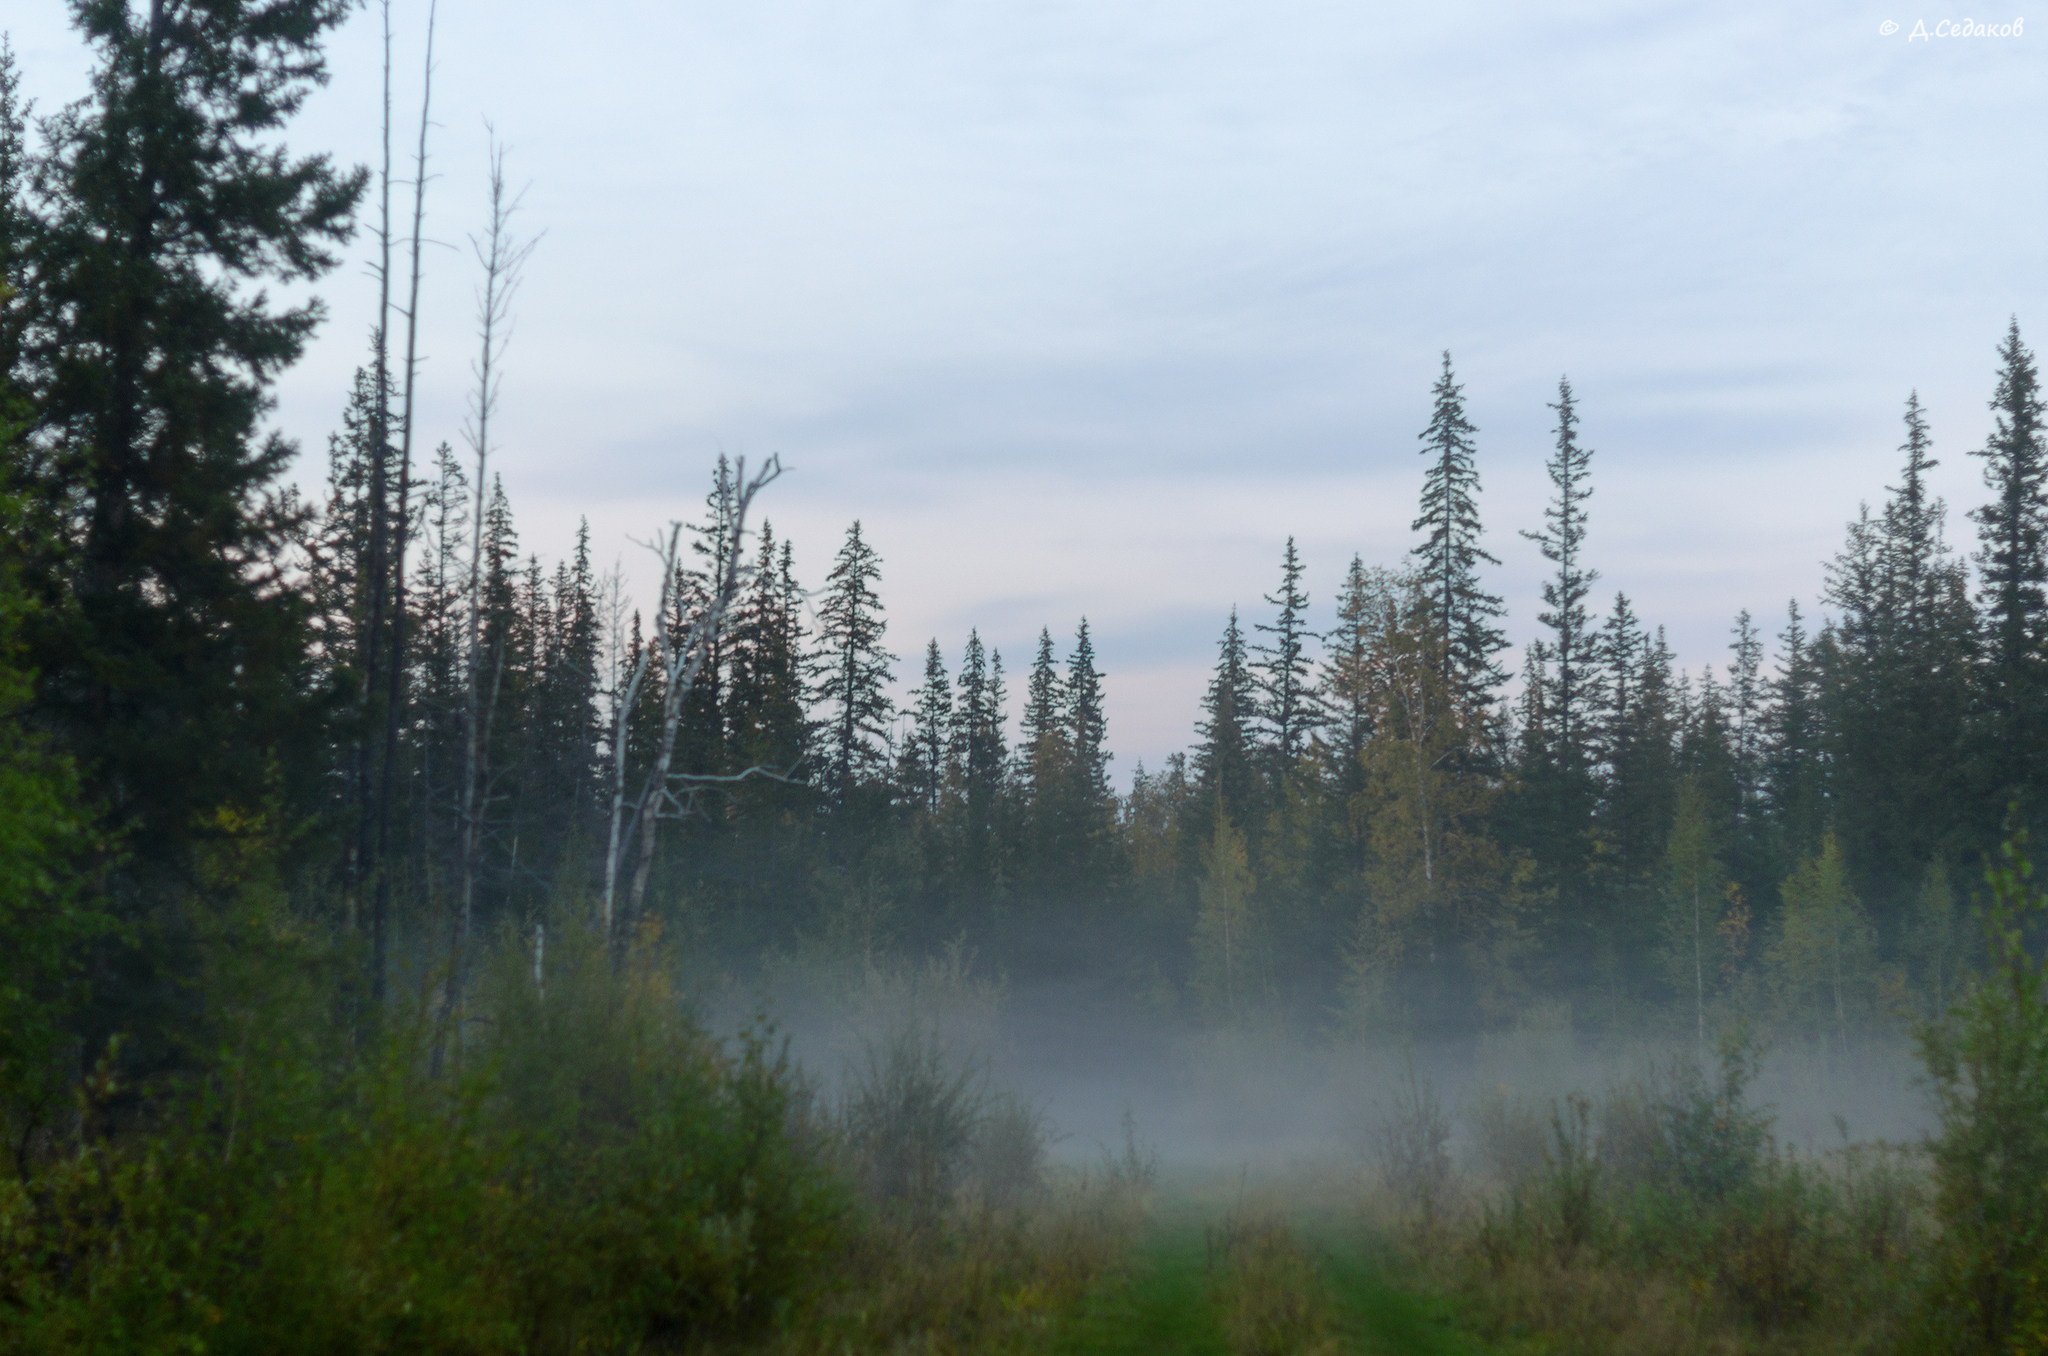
x: 1084, y: 307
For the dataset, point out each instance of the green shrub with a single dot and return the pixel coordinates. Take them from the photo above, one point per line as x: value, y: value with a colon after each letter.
x: 1710, y: 1142
x: 910, y: 1120
x: 594, y: 1175
x: 1988, y: 1064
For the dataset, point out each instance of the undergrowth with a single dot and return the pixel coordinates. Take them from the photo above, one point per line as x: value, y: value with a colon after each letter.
x: 588, y: 1171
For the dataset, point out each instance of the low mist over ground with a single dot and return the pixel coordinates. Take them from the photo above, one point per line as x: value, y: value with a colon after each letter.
x: 1269, y: 1097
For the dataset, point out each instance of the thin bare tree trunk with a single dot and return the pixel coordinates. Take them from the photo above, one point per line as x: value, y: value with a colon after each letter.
x: 375, y: 564
x: 380, y: 947
x: 622, y: 715
x: 502, y: 258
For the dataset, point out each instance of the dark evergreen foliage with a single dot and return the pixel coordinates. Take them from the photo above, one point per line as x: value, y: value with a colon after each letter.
x: 173, y: 653
x: 1558, y: 737
x: 1287, y: 711
x: 1464, y: 614
x: 2013, y: 565
x: 1225, y: 768
x: 851, y: 670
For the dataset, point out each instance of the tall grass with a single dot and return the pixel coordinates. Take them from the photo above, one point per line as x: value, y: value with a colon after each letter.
x: 1662, y: 1215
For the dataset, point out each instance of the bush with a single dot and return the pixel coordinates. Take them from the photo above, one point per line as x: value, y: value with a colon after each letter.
x: 1710, y: 1142
x: 910, y: 1121
x: 1410, y: 1149
x: 1988, y: 1063
x: 596, y: 1175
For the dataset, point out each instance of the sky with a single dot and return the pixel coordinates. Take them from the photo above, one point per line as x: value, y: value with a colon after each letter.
x: 1083, y: 307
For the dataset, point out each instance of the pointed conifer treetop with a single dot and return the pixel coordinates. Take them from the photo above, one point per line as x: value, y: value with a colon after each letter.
x: 925, y: 755
x: 1286, y: 699
x: 1223, y: 761
x: 850, y: 667
x: 1913, y: 516
x: 2014, y: 525
x: 1449, y: 554
x: 1087, y: 724
x: 978, y: 720
x: 1043, y: 746
x: 1571, y: 651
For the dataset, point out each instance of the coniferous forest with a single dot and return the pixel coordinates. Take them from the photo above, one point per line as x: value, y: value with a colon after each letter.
x: 363, y: 867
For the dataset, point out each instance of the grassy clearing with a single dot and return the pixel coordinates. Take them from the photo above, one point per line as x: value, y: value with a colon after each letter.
x: 1216, y: 1273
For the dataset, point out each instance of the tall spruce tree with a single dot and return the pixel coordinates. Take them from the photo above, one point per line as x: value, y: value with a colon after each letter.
x: 1463, y: 613
x: 1894, y: 689
x: 1087, y: 725
x: 1629, y: 844
x: 1794, y: 781
x: 1225, y: 772
x: 1287, y: 706
x: 1745, y: 741
x: 17, y: 228
x: 1572, y: 649
x: 176, y: 661
x: 768, y: 723
x: 1348, y: 692
x: 921, y: 768
x: 851, y: 669
x: 1042, y: 752
x: 2013, y: 567
x: 980, y: 759
x: 1557, y: 774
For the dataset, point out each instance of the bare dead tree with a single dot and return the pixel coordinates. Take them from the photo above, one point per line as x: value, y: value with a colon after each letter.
x: 362, y: 869
x: 678, y: 645
x: 502, y: 256
x: 394, y: 674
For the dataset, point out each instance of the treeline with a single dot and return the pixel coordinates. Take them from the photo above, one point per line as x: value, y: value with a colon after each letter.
x: 1365, y: 822
x: 371, y: 713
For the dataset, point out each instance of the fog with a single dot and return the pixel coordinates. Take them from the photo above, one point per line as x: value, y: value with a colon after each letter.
x: 1270, y: 1094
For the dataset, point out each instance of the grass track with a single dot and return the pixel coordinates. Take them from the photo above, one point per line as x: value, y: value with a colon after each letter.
x: 1164, y: 1308
x: 1377, y: 1318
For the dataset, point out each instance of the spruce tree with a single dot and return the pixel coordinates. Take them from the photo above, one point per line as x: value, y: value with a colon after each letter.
x: 980, y: 757
x: 1623, y: 734
x: 1087, y: 726
x: 1557, y: 763
x: 1745, y: 740
x: 1042, y: 752
x: 851, y: 669
x: 1224, y: 769
x: 1895, y: 689
x: 1463, y: 614
x: 17, y: 226
x: 1572, y: 650
x: 163, y: 206
x: 1794, y: 780
x: 2013, y: 530
x: 768, y: 724
x: 1286, y: 697
x: 1348, y: 689
x: 922, y: 767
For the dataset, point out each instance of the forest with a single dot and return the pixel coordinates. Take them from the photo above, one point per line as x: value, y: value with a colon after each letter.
x: 366, y: 876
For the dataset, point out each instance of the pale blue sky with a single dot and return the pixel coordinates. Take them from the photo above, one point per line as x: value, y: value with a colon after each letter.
x: 1084, y: 307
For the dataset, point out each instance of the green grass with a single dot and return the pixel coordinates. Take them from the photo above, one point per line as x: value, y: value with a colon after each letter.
x: 1161, y: 1305
x: 1164, y: 1303
x: 1377, y: 1318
